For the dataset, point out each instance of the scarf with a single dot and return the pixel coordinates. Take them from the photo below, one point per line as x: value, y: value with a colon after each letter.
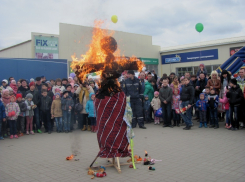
x: 14, y: 87
x: 85, y: 93
x: 6, y: 100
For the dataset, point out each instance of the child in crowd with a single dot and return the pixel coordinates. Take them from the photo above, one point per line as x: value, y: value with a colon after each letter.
x: 147, y: 105
x: 45, y: 107
x: 29, y: 113
x: 92, y: 84
x: 201, y: 69
x: 49, y: 92
x: 90, y: 109
x: 12, y: 112
x: 21, y: 117
x: 5, y: 100
x: 213, y: 100
x: 71, y: 82
x: 2, y: 117
x: 236, y: 98
x: 14, y: 86
x: 57, y: 90
x: 156, y: 104
x: 202, y: 106
x: 56, y: 112
x: 225, y: 101
x: 207, y: 92
x: 67, y: 105
x: 175, y: 105
x: 49, y: 86
x: 11, y: 91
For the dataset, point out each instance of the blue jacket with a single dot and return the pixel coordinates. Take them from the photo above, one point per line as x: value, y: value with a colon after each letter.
x: 147, y: 105
x: 2, y: 111
x: 90, y: 109
x: 203, y: 104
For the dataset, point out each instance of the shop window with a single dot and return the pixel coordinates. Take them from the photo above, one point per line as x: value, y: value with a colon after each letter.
x: 183, y: 70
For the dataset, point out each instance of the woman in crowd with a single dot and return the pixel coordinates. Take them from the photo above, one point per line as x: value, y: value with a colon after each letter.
x: 214, y: 82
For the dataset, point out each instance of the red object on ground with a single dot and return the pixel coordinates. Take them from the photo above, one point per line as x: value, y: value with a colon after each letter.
x: 101, y: 175
x: 130, y: 166
x: 111, y: 134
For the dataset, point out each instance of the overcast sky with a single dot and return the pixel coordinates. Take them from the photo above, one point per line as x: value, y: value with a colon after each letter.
x: 169, y: 22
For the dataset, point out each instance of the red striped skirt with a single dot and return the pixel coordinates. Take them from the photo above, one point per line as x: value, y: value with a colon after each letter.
x: 111, y: 129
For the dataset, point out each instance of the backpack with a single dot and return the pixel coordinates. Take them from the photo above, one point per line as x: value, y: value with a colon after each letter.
x: 78, y: 107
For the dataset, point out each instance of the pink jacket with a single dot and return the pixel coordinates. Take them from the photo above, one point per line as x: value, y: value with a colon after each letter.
x: 226, y: 102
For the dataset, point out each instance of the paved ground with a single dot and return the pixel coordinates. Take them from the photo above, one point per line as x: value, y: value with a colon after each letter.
x: 195, y: 155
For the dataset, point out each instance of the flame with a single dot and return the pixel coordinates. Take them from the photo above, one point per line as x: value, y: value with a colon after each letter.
x: 103, y: 54
x: 70, y: 157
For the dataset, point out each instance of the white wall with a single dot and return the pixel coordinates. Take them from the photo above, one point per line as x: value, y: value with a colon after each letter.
x: 223, y: 55
x: 18, y: 51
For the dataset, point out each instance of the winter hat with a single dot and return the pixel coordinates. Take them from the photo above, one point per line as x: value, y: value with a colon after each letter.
x: 131, y: 72
x: 38, y: 79
x: 201, y: 64
x: 156, y: 93
x: 68, y: 85
x: 13, y: 97
x: 57, y: 90
x: 65, y: 91
x: 32, y: 80
x: 213, y: 89
x: 76, y: 85
x: 64, y: 79
x: 72, y: 75
x: 42, y: 76
x: 233, y: 81
x: 91, y: 82
x: 202, y: 94
x: 48, y: 82
x: 29, y: 96
x: 31, y: 84
x: 18, y: 96
x: 181, y: 78
x: 6, y: 81
x: 57, y: 94
x: 13, y: 82
x: 146, y: 96
x: 5, y: 90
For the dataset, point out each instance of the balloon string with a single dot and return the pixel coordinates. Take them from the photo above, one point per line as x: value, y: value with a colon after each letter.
x: 132, y: 151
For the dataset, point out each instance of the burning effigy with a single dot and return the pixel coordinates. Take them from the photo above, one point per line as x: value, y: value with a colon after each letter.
x: 103, y: 57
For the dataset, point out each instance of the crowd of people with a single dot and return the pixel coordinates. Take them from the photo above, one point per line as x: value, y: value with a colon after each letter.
x: 33, y: 106
x: 209, y: 98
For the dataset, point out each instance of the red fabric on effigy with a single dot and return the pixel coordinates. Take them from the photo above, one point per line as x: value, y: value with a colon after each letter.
x: 111, y: 129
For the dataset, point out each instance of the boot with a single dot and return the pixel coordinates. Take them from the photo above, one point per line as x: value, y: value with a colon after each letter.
x: 205, y: 125
x: 200, y: 126
x: 216, y: 127
x: 84, y: 128
x: 92, y: 129
x: 89, y: 129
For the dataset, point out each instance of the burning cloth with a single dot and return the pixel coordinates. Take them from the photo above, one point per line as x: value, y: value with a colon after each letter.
x: 112, y: 129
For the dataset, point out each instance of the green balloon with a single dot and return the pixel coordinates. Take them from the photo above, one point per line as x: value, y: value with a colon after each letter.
x: 199, y: 27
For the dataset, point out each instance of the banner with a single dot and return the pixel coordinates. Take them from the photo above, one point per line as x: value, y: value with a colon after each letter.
x: 204, y: 55
x: 149, y: 60
x: 46, y: 47
x: 233, y: 50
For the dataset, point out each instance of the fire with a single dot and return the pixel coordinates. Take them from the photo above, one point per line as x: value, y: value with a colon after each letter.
x: 70, y: 157
x: 103, y: 56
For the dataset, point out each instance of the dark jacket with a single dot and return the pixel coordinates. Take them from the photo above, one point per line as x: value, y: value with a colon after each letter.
x: 95, y: 89
x: 235, y: 96
x: 187, y: 93
x: 23, y: 90
x: 133, y: 88
x: 213, y: 101
x: 66, y: 102
x: 22, y: 105
x: 39, y: 89
x: 166, y: 93
x: 202, y: 84
x: 36, y: 97
x: 147, y: 105
x: 45, y: 103
x: 2, y: 111
x: 50, y: 94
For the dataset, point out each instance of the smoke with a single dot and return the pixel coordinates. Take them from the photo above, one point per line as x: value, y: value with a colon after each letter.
x: 75, y: 142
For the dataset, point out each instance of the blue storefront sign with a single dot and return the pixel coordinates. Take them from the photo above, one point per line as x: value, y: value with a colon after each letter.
x: 190, y: 56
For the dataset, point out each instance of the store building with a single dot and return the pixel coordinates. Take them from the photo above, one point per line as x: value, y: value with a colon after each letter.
x: 187, y: 58
x: 74, y: 39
